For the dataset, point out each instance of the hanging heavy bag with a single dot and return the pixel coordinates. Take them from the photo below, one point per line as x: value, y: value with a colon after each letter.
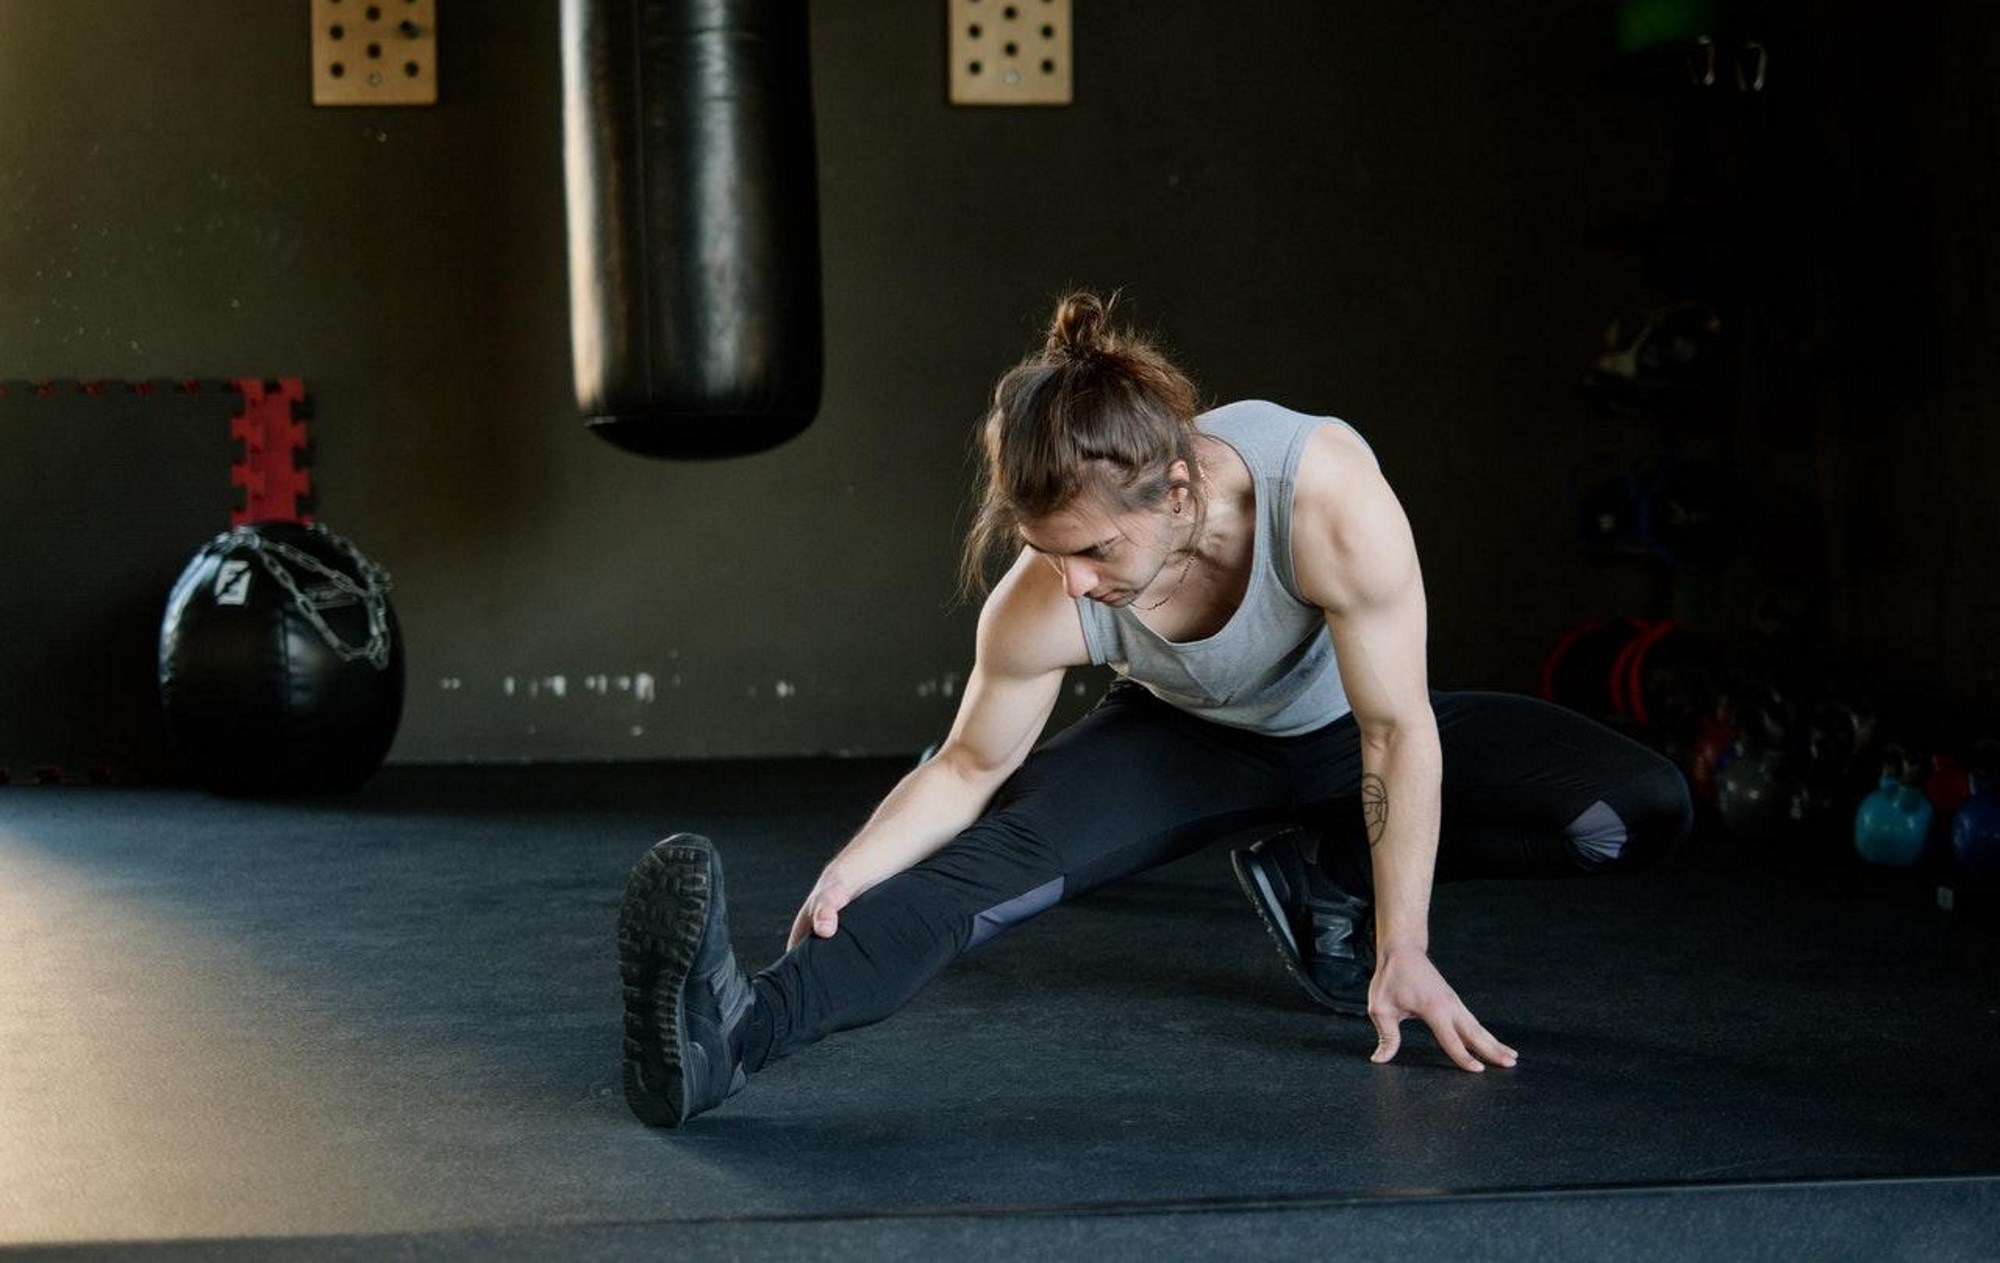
x: 693, y: 222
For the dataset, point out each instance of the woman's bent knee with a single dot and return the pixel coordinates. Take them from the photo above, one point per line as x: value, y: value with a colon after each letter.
x: 1636, y: 827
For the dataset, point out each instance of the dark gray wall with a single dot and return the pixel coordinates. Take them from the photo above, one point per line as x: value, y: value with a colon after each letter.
x: 1906, y: 425
x: 1349, y: 208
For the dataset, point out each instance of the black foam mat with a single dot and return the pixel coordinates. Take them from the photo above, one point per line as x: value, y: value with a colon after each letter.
x: 397, y: 1013
x: 1860, y: 1220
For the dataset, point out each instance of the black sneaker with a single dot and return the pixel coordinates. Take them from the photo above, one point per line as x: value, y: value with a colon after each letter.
x: 685, y: 999
x: 1325, y: 933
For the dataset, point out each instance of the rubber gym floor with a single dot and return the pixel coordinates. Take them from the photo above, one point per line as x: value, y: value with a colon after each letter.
x: 387, y: 1025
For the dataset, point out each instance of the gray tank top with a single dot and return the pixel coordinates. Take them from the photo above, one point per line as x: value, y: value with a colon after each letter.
x: 1271, y: 668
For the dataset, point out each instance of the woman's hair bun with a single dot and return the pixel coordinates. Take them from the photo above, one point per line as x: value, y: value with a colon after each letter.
x: 1081, y: 325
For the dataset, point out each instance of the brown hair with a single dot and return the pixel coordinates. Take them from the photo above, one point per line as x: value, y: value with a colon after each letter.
x: 1096, y: 411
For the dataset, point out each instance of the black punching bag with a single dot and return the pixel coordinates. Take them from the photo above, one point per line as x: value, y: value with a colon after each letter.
x: 693, y: 222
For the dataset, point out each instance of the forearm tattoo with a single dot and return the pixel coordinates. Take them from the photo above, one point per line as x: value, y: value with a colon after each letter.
x: 1374, y: 807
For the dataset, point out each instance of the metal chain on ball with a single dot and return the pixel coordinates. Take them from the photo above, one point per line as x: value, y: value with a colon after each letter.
x: 334, y: 590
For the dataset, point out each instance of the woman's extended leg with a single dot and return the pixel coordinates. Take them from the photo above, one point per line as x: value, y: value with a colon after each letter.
x: 1132, y: 785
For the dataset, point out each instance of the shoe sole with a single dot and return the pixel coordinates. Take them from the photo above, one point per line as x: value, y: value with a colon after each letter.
x: 1270, y: 910
x: 659, y: 934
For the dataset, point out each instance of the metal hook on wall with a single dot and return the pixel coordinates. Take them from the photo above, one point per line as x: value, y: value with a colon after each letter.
x: 1701, y: 63
x: 1752, y: 80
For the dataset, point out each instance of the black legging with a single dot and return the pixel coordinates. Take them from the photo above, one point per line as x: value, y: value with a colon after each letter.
x: 1529, y: 790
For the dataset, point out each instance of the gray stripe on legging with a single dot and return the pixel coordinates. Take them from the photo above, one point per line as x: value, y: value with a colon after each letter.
x: 1016, y: 910
x: 1598, y: 835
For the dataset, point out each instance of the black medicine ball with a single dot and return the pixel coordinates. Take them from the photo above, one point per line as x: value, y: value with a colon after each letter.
x: 281, y: 663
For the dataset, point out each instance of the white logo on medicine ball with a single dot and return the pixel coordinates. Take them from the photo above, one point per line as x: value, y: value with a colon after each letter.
x: 232, y: 582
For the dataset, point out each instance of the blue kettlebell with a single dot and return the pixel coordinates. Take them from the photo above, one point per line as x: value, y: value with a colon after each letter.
x: 1891, y: 824
x: 1975, y: 830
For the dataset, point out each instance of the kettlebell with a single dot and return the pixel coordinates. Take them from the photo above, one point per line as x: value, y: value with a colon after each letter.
x: 1754, y: 780
x: 1948, y: 786
x: 1892, y: 823
x: 1975, y: 829
x: 1834, y: 734
x: 1705, y: 753
x: 1753, y: 794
